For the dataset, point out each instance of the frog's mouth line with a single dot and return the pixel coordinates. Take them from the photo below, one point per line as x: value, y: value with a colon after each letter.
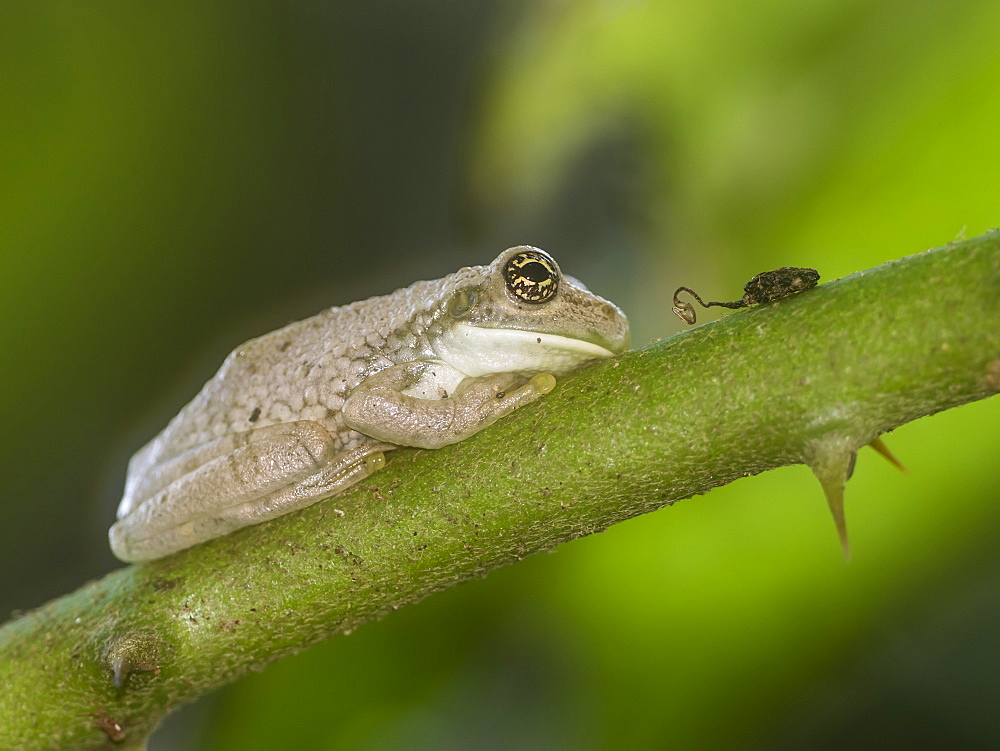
x: 477, y: 351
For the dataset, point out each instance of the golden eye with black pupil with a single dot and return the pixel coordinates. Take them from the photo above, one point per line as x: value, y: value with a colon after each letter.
x: 532, y: 277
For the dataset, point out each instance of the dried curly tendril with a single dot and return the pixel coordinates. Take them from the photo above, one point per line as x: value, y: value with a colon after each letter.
x: 763, y: 288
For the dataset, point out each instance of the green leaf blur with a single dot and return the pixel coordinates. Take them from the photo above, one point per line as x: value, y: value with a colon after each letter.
x: 176, y: 179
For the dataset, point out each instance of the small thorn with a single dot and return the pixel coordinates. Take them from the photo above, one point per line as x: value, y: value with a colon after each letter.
x: 879, y: 445
x: 120, y: 671
x: 131, y: 653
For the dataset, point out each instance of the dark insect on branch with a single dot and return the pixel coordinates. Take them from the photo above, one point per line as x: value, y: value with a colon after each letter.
x: 763, y: 288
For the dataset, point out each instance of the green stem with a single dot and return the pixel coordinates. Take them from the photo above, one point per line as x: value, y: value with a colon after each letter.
x: 766, y: 387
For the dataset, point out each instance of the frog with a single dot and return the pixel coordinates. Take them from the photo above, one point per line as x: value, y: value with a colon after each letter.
x: 302, y: 413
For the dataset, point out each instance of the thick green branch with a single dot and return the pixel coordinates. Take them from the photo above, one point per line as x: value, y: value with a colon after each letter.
x: 827, y: 370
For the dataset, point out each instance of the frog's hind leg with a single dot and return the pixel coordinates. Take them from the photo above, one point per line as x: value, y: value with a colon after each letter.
x: 346, y: 469
x: 149, y: 472
x: 292, y: 467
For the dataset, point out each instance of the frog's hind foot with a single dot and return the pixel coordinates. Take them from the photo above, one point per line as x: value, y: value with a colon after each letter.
x: 293, y: 467
x: 346, y: 469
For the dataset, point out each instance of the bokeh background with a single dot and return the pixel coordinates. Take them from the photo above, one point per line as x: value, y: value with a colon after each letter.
x: 176, y: 178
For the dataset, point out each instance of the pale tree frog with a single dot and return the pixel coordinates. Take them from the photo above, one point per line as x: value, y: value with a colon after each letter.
x: 301, y: 413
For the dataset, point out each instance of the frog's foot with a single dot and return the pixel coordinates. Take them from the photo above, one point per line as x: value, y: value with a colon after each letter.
x: 293, y: 465
x: 507, y: 388
x: 346, y: 469
x: 381, y: 407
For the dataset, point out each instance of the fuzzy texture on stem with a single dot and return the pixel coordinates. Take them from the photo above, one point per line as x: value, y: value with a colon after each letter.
x: 807, y: 379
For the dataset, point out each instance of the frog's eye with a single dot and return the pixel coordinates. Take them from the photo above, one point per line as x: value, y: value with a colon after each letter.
x: 531, y: 276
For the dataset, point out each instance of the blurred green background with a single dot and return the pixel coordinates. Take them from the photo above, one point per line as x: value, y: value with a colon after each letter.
x: 176, y: 178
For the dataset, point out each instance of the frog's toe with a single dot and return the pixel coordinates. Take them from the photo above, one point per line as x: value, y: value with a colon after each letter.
x: 537, y: 387
x: 542, y: 383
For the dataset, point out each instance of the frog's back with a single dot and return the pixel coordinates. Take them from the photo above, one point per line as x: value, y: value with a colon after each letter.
x: 304, y: 371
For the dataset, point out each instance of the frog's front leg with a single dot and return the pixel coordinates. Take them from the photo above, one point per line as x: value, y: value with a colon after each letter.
x: 384, y: 405
x: 283, y: 468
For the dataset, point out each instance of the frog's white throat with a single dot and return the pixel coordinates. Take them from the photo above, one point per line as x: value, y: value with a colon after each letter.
x: 475, y: 351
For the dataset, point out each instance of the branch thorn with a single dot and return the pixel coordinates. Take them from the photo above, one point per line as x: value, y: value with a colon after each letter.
x: 832, y: 463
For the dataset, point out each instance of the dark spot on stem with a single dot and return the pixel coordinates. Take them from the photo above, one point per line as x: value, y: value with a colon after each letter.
x: 112, y: 728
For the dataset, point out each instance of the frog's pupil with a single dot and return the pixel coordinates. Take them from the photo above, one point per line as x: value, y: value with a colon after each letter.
x: 532, y: 277
x: 535, y: 272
